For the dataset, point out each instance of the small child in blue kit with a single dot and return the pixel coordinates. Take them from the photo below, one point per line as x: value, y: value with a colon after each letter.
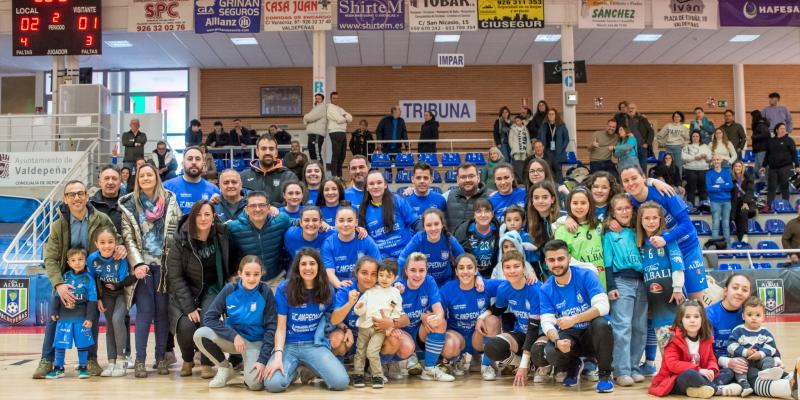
x: 74, y: 319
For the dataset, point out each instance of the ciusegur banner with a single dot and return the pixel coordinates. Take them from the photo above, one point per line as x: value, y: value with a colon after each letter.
x: 160, y: 15
x: 371, y: 15
x: 298, y: 15
x: 442, y: 15
x: 228, y: 16
x: 510, y: 14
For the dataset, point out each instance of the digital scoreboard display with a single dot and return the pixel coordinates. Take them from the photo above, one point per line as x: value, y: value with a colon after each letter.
x: 56, y: 27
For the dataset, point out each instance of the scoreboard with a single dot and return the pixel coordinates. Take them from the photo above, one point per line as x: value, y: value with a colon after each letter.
x: 56, y: 27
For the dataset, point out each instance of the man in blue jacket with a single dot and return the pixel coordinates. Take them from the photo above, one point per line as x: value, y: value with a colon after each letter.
x: 392, y: 127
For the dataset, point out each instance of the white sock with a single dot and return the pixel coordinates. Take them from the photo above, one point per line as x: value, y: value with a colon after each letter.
x: 780, y: 388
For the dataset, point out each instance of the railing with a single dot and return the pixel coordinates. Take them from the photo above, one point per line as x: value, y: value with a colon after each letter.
x: 445, y: 142
x: 749, y: 253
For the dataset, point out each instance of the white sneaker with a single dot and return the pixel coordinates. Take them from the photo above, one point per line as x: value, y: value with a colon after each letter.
x: 393, y: 371
x: 593, y: 375
x: 221, y: 378
x: 119, y: 370
x: 543, y: 375
x: 560, y: 375
x: 461, y: 367
x: 436, y: 374
x: 129, y: 363
x: 109, y: 370
x: 488, y: 373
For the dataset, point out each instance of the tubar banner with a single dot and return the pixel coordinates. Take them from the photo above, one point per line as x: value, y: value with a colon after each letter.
x: 611, y: 14
x: 510, y: 14
x: 691, y: 14
x: 298, y: 15
x: 442, y: 15
x: 371, y: 15
x: 160, y: 15
x: 227, y: 16
x: 759, y: 13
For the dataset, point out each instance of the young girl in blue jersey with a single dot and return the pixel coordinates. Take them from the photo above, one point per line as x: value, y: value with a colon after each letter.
x: 310, y: 233
x: 586, y: 243
x: 313, y: 176
x: 241, y: 320
x: 74, y: 320
x: 437, y: 244
x: 603, y: 187
x: 294, y: 195
x: 507, y: 193
x: 543, y: 211
x: 330, y: 197
x: 111, y: 278
x: 303, y: 300
x: 389, y: 220
x: 514, y: 221
x: 463, y: 303
x: 342, y: 249
x: 479, y: 236
x: 626, y: 290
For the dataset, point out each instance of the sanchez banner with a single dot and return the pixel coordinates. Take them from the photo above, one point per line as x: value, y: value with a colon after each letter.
x: 442, y: 15
x: 445, y: 110
x: 510, y: 14
x: 298, y: 15
x: 759, y: 13
x: 160, y: 15
x: 611, y: 14
x: 692, y: 14
x: 371, y: 15
x: 229, y: 16
x: 35, y: 169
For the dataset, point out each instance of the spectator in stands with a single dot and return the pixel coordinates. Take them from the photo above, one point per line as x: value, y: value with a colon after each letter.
x: 780, y: 158
x: 295, y: 159
x: 338, y: 119
x: 105, y: 200
x: 625, y: 150
x: 165, y: 161
x: 734, y: 131
x: 622, y: 112
x: 724, y: 148
x: 760, y: 140
x: 777, y: 114
x: 132, y: 172
x: 500, y: 131
x: 642, y: 130
x: 267, y: 174
x: 601, y: 148
x: 233, y: 201
x: 696, y: 156
x: 719, y: 185
x: 239, y: 135
x: 282, y: 137
x: 361, y: 140
x: 193, y: 135
x: 316, y: 122
x: 537, y: 119
x: 668, y: 171
x: 133, y: 141
x: 487, y: 173
x: 191, y: 187
x: 553, y: 133
x: 428, y: 131
x: 673, y: 136
x: 392, y: 128
x: 217, y: 137
x: 460, y: 201
x: 791, y: 237
x: 519, y: 142
x: 742, y: 205
x: 540, y: 153
x: 703, y: 124
x: 124, y: 176
x: 209, y: 164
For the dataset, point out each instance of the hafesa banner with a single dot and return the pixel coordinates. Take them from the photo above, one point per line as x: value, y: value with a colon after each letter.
x: 442, y: 15
x: 298, y: 15
x: 160, y: 15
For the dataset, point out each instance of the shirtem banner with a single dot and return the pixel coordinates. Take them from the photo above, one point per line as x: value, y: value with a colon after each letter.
x: 442, y: 15
x: 227, y: 16
x: 692, y: 14
x: 160, y: 15
x: 611, y: 14
x: 371, y: 15
x: 510, y: 14
x: 298, y: 15
x: 759, y: 13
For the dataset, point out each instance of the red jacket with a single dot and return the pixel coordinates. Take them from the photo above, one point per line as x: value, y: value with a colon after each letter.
x: 676, y: 360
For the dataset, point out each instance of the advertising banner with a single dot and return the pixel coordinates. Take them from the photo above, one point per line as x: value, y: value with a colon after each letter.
x: 445, y: 110
x: 371, y: 15
x: 510, y: 14
x: 298, y: 15
x: 759, y: 13
x: 35, y: 169
x: 228, y: 16
x: 692, y: 14
x: 442, y: 15
x: 160, y: 15
x: 778, y: 288
x: 611, y: 14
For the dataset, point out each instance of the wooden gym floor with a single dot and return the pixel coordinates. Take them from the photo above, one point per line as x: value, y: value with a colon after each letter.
x: 20, y: 352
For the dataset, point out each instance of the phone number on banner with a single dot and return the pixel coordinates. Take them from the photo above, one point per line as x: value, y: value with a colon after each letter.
x: 161, y: 28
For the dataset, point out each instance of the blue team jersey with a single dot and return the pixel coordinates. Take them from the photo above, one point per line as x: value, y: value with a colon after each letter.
x: 107, y: 270
x: 294, y: 216
x: 501, y: 202
x: 657, y: 268
x: 600, y: 212
x: 677, y: 219
x: 301, y: 321
x: 432, y: 200
x: 572, y: 299
x: 342, y: 297
x: 83, y: 286
x: 391, y: 243
x: 329, y: 214
x: 464, y: 306
x: 523, y: 303
x: 483, y: 247
x: 293, y: 240
x: 723, y: 322
x: 417, y: 301
x: 354, y: 196
x: 312, y: 196
x: 342, y: 256
x: 244, y: 312
x: 440, y: 255
x: 188, y: 193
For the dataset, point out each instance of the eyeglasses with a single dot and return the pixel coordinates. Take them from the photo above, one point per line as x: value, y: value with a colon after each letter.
x: 537, y: 171
x: 75, y: 195
x: 258, y: 206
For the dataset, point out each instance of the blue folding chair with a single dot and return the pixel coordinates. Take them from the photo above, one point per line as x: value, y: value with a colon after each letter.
x: 748, y: 156
x: 730, y: 267
x: 436, y: 189
x: 220, y: 164
x: 762, y: 265
x: 702, y: 227
x: 381, y: 161
x: 769, y: 245
x: 775, y: 226
x: 451, y: 159
x: 387, y: 174
x: 404, y: 160
x: 451, y: 176
x: 754, y: 228
x: 476, y: 158
x: 782, y: 206
x: 572, y: 158
x: 429, y: 158
x: 437, y: 176
x: 738, y: 246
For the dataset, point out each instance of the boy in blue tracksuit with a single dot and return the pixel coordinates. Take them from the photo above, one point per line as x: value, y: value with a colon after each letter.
x: 719, y: 184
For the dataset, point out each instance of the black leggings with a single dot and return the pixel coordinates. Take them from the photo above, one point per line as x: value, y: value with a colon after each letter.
x: 695, y: 185
x: 690, y: 379
x: 596, y: 340
x: 184, y: 331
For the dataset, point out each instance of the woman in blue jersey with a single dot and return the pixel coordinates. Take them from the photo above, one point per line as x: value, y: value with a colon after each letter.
x: 507, y: 193
x: 436, y: 243
x: 330, y: 198
x: 345, y: 247
x: 241, y: 320
x: 313, y: 175
x: 543, y: 211
x: 389, y: 220
x: 479, y: 236
x: 303, y: 300
x: 308, y: 234
x: 294, y: 194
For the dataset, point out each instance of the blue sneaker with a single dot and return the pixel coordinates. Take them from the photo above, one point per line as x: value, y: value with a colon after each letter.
x: 605, y: 385
x: 573, y: 378
x: 55, y: 373
x: 83, y: 373
x: 647, y: 369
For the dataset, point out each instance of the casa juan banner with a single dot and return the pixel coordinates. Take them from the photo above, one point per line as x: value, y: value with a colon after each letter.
x: 442, y: 15
x: 371, y: 15
x: 681, y: 14
x: 510, y: 14
x: 298, y: 15
x: 759, y: 13
x: 227, y: 16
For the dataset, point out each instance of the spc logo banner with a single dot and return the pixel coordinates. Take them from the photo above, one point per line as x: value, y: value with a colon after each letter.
x: 228, y: 16
x: 692, y: 14
x: 442, y: 15
x: 611, y: 14
x: 510, y: 14
x: 160, y: 15
x: 298, y: 15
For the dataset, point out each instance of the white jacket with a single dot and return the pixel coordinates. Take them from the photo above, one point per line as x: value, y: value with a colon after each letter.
x: 316, y: 121
x: 728, y: 153
x: 338, y: 118
x: 691, y: 151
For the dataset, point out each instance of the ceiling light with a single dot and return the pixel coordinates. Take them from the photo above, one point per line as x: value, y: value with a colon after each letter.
x: 547, y: 38
x: 345, y: 39
x: 744, y: 38
x: 118, y: 43
x: 647, y: 37
x: 244, y: 41
x: 440, y: 38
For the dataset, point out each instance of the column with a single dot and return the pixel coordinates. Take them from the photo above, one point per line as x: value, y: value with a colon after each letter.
x: 568, y: 83
x: 739, y: 95
x: 537, y: 77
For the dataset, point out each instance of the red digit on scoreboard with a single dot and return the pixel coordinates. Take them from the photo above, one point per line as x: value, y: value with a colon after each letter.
x: 23, y: 40
x: 29, y: 24
x: 88, y: 41
x: 96, y: 22
x: 56, y: 17
x: 83, y: 23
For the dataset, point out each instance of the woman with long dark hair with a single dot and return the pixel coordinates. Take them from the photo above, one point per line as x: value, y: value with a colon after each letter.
x: 428, y: 131
x: 502, y: 125
x: 555, y: 136
x: 437, y: 244
x: 389, y: 220
x: 330, y: 197
x: 313, y: 176
x: 742, y: 198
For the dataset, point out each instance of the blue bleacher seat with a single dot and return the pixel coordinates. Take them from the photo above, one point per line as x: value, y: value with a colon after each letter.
x: 436, y: 189
x: 387, y: 174
x: 451, y: 176
x: 762, y: 265
x: 730, y: 267
x: 769, y: 245
x: 381, y: 161
x: 748, y: 156
x: 740, y: 246
x: 702, y: 227
x: 775, y: 226
x: 437, y: 176
x: 781, y: 206
x: 451, y: 159
x: 240, y: 164
x: 429, y: 158
x: 754, y: 228
x: 661, y: 155
x: 572, y: 158
x: 403, y: 176
x: 476, y: 158
x: 220, y: 164
x: 404, y: 160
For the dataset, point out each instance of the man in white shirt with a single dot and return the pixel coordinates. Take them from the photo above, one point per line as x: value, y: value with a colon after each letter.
x: 316, y: 121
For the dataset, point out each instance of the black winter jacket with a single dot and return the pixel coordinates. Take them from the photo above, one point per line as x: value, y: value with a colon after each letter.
x: 761, y: 136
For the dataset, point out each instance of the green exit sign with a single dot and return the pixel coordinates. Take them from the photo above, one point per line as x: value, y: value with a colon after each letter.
x: 722, y: 103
